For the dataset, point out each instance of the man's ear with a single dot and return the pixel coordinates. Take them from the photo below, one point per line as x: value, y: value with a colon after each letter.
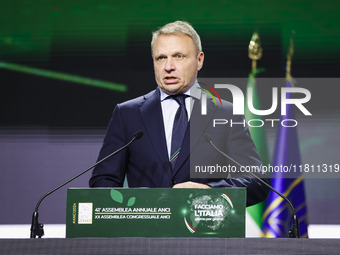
x: 200, y: 60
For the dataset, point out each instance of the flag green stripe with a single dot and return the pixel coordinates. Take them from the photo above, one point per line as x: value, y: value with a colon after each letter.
x: 258, y: 135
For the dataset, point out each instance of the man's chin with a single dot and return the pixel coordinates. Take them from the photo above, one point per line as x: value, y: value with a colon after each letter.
x: 172, y: 89
x: 175, y: 89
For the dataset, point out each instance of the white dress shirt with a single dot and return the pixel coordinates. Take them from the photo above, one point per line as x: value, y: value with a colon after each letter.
x: 169, y: 109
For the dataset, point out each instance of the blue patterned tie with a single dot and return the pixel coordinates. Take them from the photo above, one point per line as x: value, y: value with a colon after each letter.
x: 179, y: 127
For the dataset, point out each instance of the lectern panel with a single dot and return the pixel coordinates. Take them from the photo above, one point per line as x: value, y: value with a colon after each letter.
x: 146, y: 212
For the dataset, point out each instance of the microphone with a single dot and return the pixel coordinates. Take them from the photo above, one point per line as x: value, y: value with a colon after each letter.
x: 37, y: 229
x: 295, y: 231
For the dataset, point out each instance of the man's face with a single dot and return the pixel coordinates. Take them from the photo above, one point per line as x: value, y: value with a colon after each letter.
x: 176, y: 62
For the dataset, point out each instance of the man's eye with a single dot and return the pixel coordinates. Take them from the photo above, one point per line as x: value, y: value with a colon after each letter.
x: 179, y: 56
x: 160, y: 58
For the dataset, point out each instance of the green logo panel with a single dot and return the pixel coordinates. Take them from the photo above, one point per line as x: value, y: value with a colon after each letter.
x: 143, y: 212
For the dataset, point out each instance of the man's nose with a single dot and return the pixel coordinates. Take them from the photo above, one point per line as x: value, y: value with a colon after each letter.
x: 169, y: 65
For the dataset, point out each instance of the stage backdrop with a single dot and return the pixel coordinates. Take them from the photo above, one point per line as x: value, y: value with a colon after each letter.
x: 64, y: 65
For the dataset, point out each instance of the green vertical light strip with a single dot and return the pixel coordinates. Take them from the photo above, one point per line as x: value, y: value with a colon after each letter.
x: 64, y: 77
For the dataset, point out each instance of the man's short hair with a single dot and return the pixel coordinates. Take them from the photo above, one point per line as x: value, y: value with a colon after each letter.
x: 178, y: 27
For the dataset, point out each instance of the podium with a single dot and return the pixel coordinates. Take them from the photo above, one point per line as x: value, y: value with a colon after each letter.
x: 155, y: 212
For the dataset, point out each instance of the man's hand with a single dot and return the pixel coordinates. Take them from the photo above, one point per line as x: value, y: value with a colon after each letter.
x: 191, y: 185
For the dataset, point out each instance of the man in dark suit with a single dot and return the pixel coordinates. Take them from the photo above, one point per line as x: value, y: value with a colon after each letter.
x: 170, y: 147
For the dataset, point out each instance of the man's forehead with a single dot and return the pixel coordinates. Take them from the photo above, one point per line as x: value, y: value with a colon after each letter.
x: 172, y: 43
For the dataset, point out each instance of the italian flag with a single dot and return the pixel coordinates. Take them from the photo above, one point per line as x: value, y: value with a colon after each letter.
x: 258, y: 134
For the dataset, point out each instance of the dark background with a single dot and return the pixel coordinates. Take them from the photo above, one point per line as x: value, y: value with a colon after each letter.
x: 110, y: 41
x: 50, y: 129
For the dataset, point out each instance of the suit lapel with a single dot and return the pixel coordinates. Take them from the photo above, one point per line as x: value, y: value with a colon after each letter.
x: 151, y: 115
x: 152, y: 118
x: 196, y: 129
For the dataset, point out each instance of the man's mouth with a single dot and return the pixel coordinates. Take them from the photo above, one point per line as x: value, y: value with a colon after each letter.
x: 171, y: 79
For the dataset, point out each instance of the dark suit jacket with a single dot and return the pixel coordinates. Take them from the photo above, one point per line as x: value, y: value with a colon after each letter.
x: 146, y: 164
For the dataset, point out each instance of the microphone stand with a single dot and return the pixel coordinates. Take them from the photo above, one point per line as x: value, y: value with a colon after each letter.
x: 295, y: 231
x: 37, y: 229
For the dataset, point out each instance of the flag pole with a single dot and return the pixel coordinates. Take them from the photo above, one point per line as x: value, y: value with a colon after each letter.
x: 290, y: 54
